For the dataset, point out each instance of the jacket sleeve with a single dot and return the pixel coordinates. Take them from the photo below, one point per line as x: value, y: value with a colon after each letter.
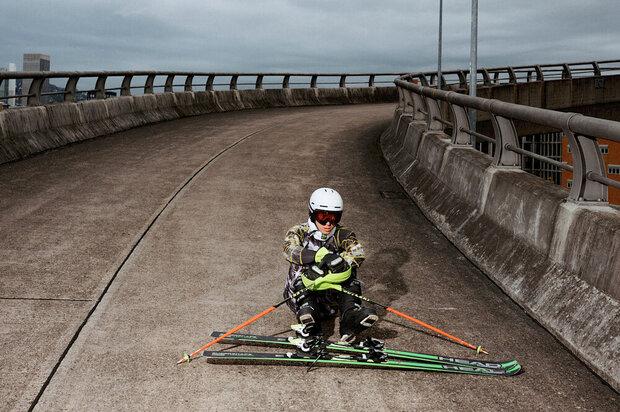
x: 352, y: 250
x: 293, y: 250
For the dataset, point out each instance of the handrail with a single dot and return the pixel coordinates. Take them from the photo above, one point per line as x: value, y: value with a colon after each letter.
x: 70, y: 93
x: 590, y: 181
x: 486, y: 76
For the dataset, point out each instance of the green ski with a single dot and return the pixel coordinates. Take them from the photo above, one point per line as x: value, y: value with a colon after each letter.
x: 344, y: 360
x: 366, y: 347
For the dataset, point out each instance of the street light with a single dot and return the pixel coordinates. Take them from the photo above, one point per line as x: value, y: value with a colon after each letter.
x: 439, y: 51
x: 473, y: 64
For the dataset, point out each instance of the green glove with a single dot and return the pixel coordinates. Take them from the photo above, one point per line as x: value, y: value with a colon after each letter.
x: 320, y: 254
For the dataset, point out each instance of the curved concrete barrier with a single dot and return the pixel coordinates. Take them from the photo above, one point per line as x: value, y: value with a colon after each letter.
x: 30, y: 130
x: 558, y: 259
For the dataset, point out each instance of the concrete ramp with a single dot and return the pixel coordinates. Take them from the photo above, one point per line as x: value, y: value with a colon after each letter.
x: 123, y: 252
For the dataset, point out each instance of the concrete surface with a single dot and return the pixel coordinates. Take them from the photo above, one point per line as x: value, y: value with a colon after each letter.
x: 76, y: 230
x: 560, y: 260
x: 30, y: 130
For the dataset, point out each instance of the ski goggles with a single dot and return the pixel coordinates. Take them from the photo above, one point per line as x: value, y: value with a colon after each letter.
x: 323, y: 217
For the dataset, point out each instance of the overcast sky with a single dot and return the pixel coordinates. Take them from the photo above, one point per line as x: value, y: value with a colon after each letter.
x: 304, y: 35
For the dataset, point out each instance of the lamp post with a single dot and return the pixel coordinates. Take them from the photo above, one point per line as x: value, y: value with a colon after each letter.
x: 473, y: 64
x: 439, y: 51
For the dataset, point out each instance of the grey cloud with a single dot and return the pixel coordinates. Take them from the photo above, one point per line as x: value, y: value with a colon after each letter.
x: 298, y: 35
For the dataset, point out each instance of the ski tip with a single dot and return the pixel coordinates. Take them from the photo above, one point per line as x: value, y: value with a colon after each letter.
x: 515, y: 370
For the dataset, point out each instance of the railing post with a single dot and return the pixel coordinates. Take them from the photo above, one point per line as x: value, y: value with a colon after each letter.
x: 512, y: 75
x: 343, y: 80
x: 34, y: 98
x: 148, y: 84
x: 462, y: 79
x: 371, y: 80
x: 408, y: 105
x: 460, y: 121
x: 433, y: 123
x: 401, y: 99
x: 505, y: 134
x: 587, y: 158
x: 485, y: 76
x: 71, y: 89
x: 169, y: 83
x: 596, y: 68
x: 286, y: 81
x: 566, y: 73
x: 539, y: 73
x: 126, y: 85
x: 209, y: 85
x: 422, y: 79
x: 419, y: 104
x: 189, y: 80
x: 313, y: 81
x: 259, y: 82
x: 233, y: 82
x: 100, y: 87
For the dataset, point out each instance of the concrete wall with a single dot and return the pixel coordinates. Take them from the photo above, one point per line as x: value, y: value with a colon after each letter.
x: 559, y: 260
x: 30, y: 130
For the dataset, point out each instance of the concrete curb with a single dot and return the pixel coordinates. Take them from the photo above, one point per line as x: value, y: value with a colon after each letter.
x: 30, y: 130
x: 559, y: 260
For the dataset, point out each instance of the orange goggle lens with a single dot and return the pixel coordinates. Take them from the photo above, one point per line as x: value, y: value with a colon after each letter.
x: 323, y: 217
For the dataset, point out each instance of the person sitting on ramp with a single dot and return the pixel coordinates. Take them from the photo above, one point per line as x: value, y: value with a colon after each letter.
x: 325, y: 256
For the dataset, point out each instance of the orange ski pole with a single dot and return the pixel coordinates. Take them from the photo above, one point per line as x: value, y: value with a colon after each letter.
x: 187, y: 358
x: 478, y: 349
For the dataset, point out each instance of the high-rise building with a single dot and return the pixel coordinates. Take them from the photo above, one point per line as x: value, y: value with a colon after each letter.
x: 35, y: 63
x: 7, y: 87
x: 12, y: 85
x: 4, y: 88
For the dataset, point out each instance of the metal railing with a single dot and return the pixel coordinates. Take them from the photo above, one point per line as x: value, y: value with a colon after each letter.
x: 168, y: 81
x: 521, y: 74
x: 590, y: 181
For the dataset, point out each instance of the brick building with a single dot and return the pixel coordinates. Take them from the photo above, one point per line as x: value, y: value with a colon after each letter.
x: 611, y: 156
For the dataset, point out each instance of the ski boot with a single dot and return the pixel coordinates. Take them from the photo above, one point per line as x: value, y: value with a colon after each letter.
x: 354, y: 321
x: 353, y: 317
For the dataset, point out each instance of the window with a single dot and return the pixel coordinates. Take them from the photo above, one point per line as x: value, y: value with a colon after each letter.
x: 613, y: 170
x: 569, y: 183
x: 604, y: 149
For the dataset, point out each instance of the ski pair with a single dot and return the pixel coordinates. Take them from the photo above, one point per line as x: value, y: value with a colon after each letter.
x: 371, y: 350
x: 360, y: 360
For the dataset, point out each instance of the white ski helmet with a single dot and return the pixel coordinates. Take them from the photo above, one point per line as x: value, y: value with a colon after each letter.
x: 325, y: 199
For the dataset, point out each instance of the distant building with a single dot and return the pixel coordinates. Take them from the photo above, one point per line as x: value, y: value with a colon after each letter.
x: 12, y: 85
x: 7, y: 87
x: 36, y: 63
x: 4, y: 89
x: 91, y: 95
x: 555, y: 146
x: 611, y: 156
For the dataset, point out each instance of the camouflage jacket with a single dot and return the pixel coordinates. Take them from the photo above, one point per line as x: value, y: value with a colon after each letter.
x: 303, y: 240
